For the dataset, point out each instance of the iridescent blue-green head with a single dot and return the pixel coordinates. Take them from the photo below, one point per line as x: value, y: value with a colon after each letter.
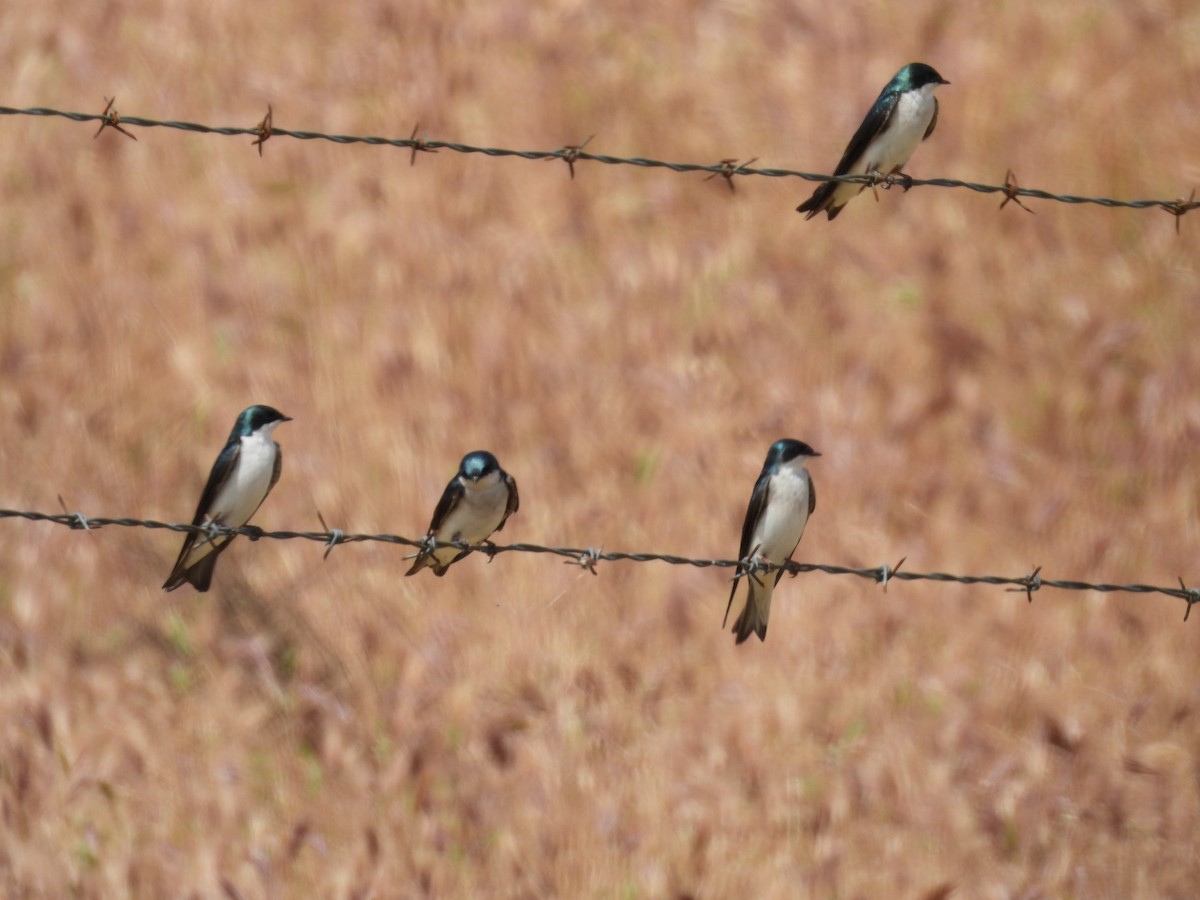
x: 785, y: 450
x: 255, y: 418
x: 478, y: 464
x: 916, y: 75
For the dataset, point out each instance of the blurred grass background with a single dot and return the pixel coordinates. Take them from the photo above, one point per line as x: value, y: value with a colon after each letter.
x: 991, y: 391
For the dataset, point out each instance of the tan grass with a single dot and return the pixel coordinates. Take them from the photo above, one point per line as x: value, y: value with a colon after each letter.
x: 991, y: 391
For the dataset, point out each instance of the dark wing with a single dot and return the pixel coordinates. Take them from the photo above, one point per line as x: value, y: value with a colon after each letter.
x: 450, y: 497
x: 758, y: 503
x: 221, y: 470
x: 278, y: 469
x: 933, y: 121
x: 514, y: 500
x: 876, y: 120
x: 872, y: 126
x: 220, y: 473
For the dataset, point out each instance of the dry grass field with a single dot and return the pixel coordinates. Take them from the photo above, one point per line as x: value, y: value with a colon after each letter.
x: 991, y: 391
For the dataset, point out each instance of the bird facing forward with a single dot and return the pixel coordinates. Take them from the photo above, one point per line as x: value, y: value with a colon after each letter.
x: 783, y: 499
x: 476, y: 503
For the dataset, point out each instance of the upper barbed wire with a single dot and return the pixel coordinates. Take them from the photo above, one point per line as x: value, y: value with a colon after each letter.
x: 588, y: 557
x: 572, y: 154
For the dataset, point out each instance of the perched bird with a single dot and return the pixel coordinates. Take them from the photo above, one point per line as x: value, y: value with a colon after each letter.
x: 244, y: 473
x: 783, y: 499
x: 903, y: 116
x: 476, y: 503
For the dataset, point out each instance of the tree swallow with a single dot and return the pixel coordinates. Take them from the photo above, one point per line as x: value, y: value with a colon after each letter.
x: 783, y: 499
x: 244, y: 473
x: 476, y: 503
x: 903, y: 116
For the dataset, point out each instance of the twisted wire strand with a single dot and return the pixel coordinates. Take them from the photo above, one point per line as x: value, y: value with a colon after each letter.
x: 588, y: 557
x: 571, y: 154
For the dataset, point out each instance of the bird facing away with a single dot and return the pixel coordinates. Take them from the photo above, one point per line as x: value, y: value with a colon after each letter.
x: 244, y: 473
x: 904, y: 114
x: 783, y: 499
x: 476, y: 503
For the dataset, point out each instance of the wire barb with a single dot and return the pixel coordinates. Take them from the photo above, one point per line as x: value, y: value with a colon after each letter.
x: 754, y: 565
x: 1030, y: 583
x: 1012, y: 192
x: 886, y: 572
x: 336, y: 536
x: 76, y: 521
x: 425, y: 547
x: 1181, y: 207
x: 110, y: 118
x: 1190, y: 596
x: 586, y: 559
x: 418, y: 144
x: 729, y: 168
x: 264, y: 130
x: 570, y: 153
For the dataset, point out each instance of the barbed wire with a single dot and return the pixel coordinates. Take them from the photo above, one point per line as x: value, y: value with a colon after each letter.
x: 573, y: 153
x: 588, y: 557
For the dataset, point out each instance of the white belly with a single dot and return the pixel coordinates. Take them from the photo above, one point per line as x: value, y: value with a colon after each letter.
x: 246, y: 488
x: 477, y: 515
x: 906, y: 130
x: 782, y: 525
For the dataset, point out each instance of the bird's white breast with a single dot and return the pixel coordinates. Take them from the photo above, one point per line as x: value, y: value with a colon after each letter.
x: 478, y: 512
x: 782, y: 523
x: 895, y: 147
x: 250, y: 481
